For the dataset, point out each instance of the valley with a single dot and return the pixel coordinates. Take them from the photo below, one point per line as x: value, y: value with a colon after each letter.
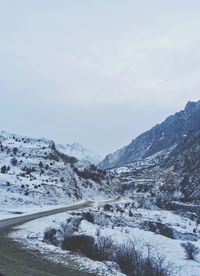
x: 143, y: 199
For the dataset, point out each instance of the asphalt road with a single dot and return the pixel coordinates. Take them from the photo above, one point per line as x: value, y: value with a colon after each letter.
x: 18, y: 261
x: 7, y: 223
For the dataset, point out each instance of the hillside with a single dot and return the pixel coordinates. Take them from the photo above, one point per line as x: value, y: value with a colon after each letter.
x: 172, y: 175
x: 161, y: 137
x: 34, y: 172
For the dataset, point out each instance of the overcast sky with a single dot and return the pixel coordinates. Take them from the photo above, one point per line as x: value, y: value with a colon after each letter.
x: 96, y: 72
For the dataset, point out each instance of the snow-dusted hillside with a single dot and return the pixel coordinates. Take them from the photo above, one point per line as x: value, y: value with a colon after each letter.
x: 161, y: 137
x: 79, y: 152
x: 34, y: 172
x: 111, y: 227
x: 169, y: 175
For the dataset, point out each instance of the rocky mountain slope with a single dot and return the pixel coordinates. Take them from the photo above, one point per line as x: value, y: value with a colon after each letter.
x: 166, y: 172
x: 81, y: 153
x: 185, y: 162
x: 34, y: 172
x: 161, y: 137
x: 170, y: 179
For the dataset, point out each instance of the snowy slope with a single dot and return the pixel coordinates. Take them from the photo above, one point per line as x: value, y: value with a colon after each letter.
x: 33, y: 172
x: 122, y: 223
x: 79, y: 152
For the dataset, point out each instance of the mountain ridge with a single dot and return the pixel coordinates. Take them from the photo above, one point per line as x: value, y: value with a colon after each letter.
x: 160, y: 137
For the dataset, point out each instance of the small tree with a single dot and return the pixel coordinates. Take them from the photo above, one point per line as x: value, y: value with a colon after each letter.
x: 40, y: 164
x: 50, y: 236
x: 107, y: 207
x: 191, y: 250
x: 15, y: 150
x: 3, y: 169
x: 13, y: 161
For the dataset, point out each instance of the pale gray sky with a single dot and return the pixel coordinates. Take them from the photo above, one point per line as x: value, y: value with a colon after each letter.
x: 96, y: 72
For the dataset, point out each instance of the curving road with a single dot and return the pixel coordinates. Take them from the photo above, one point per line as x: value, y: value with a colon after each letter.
x: 7, y: 223
x: 18, y: 261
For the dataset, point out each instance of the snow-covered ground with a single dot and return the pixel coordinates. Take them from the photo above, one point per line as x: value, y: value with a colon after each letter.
x: 34, y: 173
x: 31, y: 235
x: 121, y: 227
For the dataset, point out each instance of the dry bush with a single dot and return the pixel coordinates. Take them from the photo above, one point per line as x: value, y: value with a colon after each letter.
x: 191, y: 250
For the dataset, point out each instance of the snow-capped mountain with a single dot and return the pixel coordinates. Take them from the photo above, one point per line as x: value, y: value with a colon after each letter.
x: 163, y: 163
x: 161, y: 137
x: 81, y: 153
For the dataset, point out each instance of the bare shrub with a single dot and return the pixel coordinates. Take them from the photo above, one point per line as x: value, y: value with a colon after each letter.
x: 50, y: 236
x: 79, y: 243
x: 103, y: 248
x: 107, y: 207
x: 157, y: 266
x: 191, y: 250
x: 88, y: 216
x: 128, y: 258
x: 133, y: 262
x: 99, y: 249
x: 66, y: 230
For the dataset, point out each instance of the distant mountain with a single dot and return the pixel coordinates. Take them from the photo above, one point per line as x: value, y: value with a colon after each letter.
x: 161, y: 137
x: 79, y: 152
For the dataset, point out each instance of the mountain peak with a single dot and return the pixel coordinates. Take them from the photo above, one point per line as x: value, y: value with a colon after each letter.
x: 78, y: 151
x: 191, y: 106
x: 161, y: 137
